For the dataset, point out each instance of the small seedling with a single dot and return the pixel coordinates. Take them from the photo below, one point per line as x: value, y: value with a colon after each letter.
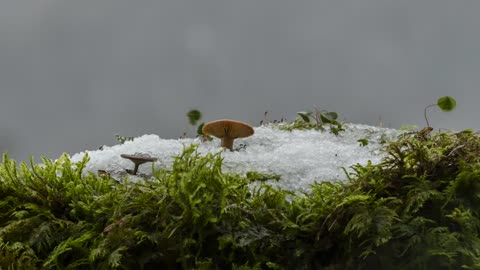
x: 317, y: 120
x: 240, y: 147
x: 445, y: 103
x: 194, y: 116
x: 305, y: 116
x: 363, y: 142
x: 123, y: 139
x: 266, y: 121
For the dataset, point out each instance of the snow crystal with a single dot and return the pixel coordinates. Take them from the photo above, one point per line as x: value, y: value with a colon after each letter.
x: 301, y: 157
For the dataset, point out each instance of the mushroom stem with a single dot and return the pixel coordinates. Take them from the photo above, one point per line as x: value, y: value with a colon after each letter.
x: 227, y: 142
x: 135, y: 169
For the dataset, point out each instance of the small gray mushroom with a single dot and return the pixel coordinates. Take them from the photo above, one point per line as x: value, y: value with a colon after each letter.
x: 138, y: 159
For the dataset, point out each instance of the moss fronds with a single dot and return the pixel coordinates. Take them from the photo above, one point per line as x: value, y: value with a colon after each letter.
x: 418, y: 209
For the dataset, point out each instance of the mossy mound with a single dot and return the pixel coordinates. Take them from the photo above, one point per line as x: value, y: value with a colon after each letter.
x: 418, y: 209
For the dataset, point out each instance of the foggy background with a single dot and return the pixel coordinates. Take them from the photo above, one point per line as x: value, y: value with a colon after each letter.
x: 73, y: 73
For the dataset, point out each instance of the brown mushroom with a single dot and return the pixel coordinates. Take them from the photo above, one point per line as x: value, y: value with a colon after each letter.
x: 227, y: 131
x: 138, y: 159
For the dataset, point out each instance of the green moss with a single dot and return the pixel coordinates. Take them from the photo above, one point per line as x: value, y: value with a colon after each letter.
x: 418, y: 209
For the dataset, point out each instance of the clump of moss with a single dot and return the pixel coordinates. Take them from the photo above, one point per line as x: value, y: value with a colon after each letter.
x: 418, y: 209
x: 429, y: 190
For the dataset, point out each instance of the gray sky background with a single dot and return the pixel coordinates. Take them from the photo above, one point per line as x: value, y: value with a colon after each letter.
x: 73, y: 73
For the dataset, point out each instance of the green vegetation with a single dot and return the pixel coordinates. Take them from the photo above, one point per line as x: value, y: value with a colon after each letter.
x: 122, y: 139
x: 445, y: 104
x: 317, y: 121
x: 363, y: 141
x: 194, y: 116
x: 418, y: 209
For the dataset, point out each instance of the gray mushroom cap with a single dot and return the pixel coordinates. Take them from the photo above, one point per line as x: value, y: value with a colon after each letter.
x: 138, y: 159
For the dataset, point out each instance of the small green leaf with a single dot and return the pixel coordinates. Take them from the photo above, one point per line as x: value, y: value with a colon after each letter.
x: 122, y: 139
x: 332, y: 115
x: 363, y: 142
x: 305, y: 116
x: 200, y: 129
x: 194, y: 116
x: 446, y: 103
x: 325, y: 119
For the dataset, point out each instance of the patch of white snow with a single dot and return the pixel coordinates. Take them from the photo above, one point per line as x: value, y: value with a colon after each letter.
x: 301, y: 157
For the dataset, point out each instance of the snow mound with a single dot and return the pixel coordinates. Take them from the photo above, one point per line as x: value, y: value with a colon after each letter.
x: 301, y: 157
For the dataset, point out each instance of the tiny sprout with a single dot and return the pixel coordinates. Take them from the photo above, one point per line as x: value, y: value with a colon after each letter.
x: 329, y: 117
x: 241, y: 146
x: 265, y: 120
x: 194, y: 116
x: 122, y: 139
x: 363, y: 142
x: 445, y: 103
x: 305, y: 116
x: 315, y: 120
x: 336, y: 130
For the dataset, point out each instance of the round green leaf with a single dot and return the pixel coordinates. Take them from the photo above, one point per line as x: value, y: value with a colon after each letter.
x: 194, y: 116
x: 446, y: 103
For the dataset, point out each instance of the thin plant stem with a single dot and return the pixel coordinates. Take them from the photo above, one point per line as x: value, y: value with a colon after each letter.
x: 425, y: 113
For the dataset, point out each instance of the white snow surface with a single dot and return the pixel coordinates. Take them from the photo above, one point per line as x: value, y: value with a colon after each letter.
x: 301, y: 157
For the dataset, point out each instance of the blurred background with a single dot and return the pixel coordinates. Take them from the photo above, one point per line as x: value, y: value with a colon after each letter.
x: 73, y: 73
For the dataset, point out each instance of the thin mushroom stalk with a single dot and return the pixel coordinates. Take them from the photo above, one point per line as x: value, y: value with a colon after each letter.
x: 135, y: 169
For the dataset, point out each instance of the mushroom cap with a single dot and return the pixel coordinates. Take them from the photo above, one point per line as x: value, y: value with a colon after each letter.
x: 139, y: 158
x: 228, y: 128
